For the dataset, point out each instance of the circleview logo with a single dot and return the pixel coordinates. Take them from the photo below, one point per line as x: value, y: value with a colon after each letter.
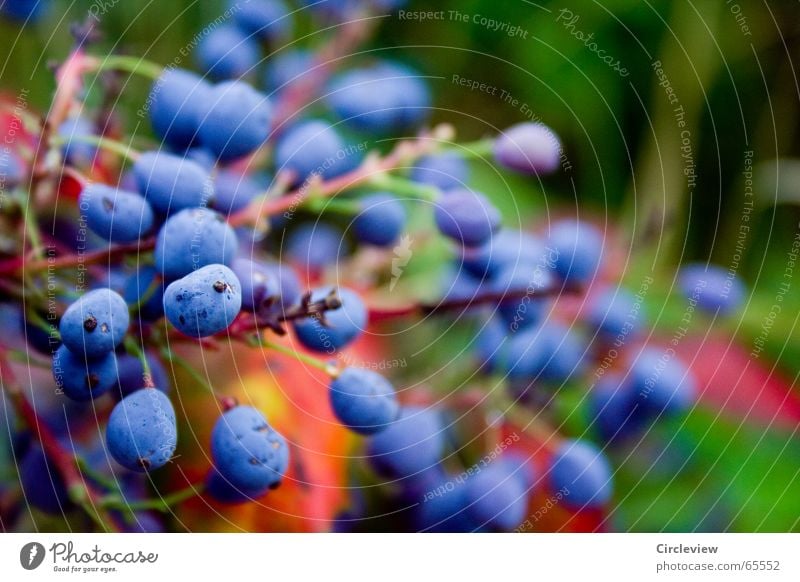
x: 31, y: 555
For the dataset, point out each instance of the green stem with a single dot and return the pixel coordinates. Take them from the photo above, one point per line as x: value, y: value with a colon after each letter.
x: 173, y: 357
x: 475, y: 149
x: 306, y: 359
x: 133, y: 349
x: 96, y: 476
x: 162, y: 504
x: 405, y: 187
x: 105, y: 143
x: 132, y: 65
x: 346, y: 207
x: 32, y: 228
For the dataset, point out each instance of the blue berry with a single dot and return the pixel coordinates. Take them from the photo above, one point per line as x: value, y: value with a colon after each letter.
x: 363, y: 400
x: 175, y: 106
x: 314, y: 245
x: 522, y: 286
x: 413, y: 443
x: 42, y: 485
x: 446, y: 171
x: 141, y: 433
x: 171, y: 183
x: 343, y: 325
x: 662, y: 382
x: 260, y: 287
x: 506, y: 248
x: 458, y: 285
x: 203, y: 157
x: 12, y: 170
x: 131, y: 375
x: 381, y: 220
x: 220, y: 489
x: 270, y: 20
x: 288, y: 284
x: 713, y: 288
x: 489, y: 343
x: 496, y: 497
x: 615, y: 314
x: 579, y: 250
x: 82, y: 378
x: 529, y: 148
x: 234, y: 191
x: 227, y: 53
x: 384, y: 98
x: 287, y: 68
x: 583, y: 472
x: 203, y: 302
x: 115, y: 215
x: 75, y: 151
x: 612, y: 403
x: 313, y: 148
x: 145, y: 289
x: 466, y: 217
x: 235, y: 121
x: 191, y: 239
x: 565, y: 352
x: 443, y: 506
x: 25, y: 11
x: 95, y: 324
x: 248, y: 453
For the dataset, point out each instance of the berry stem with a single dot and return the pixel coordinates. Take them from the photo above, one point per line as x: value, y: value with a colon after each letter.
x: 105, y: 143
x: 135, y: 350
x: 326, y: 367
x: 132, y: 65
x: 80, y: 492
x: 32, y: 227
x: 475, y: 149
x: 173, y: 357
x: 405, y: 187
x: 163, y: 504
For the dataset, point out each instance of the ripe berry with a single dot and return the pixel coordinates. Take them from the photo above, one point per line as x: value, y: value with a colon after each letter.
x: 171, y: 183
x: 529, y: 148
x: 385, y: 98
x: 115, y: 215
x: 260, y: 288
x: 175, y: 106
x: 496, y: 497
x: 42, y: 484
x: 270, y: 20
x: 613, y: 408
x: 342, y: 326
x: 75, y: 151
x: 203, y: 302
x: 662, y: 382
x: 248, y: 453
x: 446, y: 171
x: 506, y: 248
x: 578, y: 249
x: 313, y: 148
x: 522, y: 286
x: 583, y: 472
x: 466, y: 217
x: 413, y: 443
x: 191, y: 239
x: 235, y: 120
x: 82, y: 378
x: 314, y: 246
x: 363, y: 400
x: 381, y: 220
x: 227, y: 53
x: 234, y: 191
x: 615, y: 314
x: 145, y: 289
x: 95, y: 324
x: 713, y: 288
x: 287, y: 68
x: 131, y: 376
x: 141, y: 432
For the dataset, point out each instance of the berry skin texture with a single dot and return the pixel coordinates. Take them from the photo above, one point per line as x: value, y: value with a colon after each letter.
x: 191, y: 239
x: 344, y: 325
x: 313, y: 148
x: 578, y: 250
x: 714, y: 289
x: 496, y: 497
x: 363, y: 400
x: 141, y: 433
x: 413, y: 443
x: 204, y: 302
x: 446, y: 171
x: 171, y: 183
x: 95, y: 324
x: 584, y: 473
x: 267, y: 19
x: 528, y: 148
x: 466, y: 217
x: 248, y: 453
x: 314, y: 246
x: 662, y: 382
x: 176, y: 100
x: 227, y: 53
x: 83, y: 379
x: 235, y: 121
x: 115, y: 215
x: 381, y: 220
